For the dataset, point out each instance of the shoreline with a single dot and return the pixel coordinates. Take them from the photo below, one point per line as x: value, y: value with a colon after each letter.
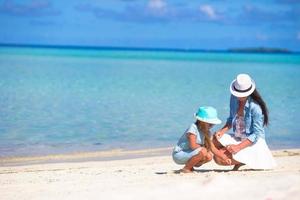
x: 108, y: 155
x: 102, y: 155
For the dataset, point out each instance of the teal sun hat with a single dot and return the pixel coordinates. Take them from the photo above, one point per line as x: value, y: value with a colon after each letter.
x: 208, y: 114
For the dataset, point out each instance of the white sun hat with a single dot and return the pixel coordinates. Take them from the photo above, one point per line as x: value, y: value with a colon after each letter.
x: 242, y: 86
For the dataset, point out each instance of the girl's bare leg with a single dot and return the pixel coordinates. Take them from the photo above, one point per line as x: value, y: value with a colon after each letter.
x: 200, y: 157
x: 207, y: 159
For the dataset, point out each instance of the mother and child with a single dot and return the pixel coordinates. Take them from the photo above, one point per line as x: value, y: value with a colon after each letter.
x: 246, y: 145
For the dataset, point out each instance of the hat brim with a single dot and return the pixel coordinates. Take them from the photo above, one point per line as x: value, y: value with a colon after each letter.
x: 210, y: 121
x: 242, y: 94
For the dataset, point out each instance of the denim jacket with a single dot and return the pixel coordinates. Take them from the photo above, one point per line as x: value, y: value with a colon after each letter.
x: 253, y: 116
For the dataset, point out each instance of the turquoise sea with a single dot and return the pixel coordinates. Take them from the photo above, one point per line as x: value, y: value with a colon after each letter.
x: 61, y: 100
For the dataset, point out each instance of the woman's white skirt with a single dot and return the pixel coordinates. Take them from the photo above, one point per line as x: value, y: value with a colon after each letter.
x: 256, y: 156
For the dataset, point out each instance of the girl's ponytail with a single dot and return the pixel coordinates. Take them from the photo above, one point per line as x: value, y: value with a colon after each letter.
x: 205, y: 130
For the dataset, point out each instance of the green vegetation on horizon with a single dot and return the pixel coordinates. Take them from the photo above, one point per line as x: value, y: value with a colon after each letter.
x: 260, y: 50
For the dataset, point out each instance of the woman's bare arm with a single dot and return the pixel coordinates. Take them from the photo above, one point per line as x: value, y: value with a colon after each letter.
x: 234, y: 148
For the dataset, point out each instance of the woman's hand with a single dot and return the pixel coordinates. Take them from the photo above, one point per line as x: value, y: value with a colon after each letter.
x: 225, y: 160
x: 222, y: 131
x: 233, y: 148
x: 228, y: 161
x: 219, y: 134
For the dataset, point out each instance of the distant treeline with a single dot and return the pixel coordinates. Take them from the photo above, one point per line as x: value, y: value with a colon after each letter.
x: 260, y: 50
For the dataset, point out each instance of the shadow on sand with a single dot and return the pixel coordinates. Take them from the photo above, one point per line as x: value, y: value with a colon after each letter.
x: 206, y: 171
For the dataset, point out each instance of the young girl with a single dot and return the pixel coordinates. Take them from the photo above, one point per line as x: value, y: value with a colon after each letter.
x: 194, y: 147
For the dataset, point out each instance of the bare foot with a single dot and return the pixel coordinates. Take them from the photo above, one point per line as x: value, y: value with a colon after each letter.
x: 185, y: 170
x: 237, y: 166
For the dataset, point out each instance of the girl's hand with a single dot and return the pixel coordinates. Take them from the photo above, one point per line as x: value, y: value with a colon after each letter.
x: 233, y: 148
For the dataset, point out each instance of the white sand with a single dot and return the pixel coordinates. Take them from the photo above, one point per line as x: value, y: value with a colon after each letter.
x: 150, y: 178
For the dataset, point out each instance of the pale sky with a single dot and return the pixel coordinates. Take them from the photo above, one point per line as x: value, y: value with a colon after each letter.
x: 189, y: 24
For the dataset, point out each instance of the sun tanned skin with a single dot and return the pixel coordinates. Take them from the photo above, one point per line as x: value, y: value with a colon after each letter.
x: 204, y: 154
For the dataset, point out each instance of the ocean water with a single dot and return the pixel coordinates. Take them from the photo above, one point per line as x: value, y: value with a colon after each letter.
x: 59, y: 100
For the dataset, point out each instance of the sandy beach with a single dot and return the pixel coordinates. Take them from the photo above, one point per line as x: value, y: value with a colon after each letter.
x: 144, y: 177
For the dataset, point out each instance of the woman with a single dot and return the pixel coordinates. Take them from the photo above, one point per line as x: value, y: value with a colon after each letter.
x: 248, y: 116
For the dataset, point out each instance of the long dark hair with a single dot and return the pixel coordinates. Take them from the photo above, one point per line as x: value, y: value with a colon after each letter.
x: 205, y: 130
x: 258, y: 99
